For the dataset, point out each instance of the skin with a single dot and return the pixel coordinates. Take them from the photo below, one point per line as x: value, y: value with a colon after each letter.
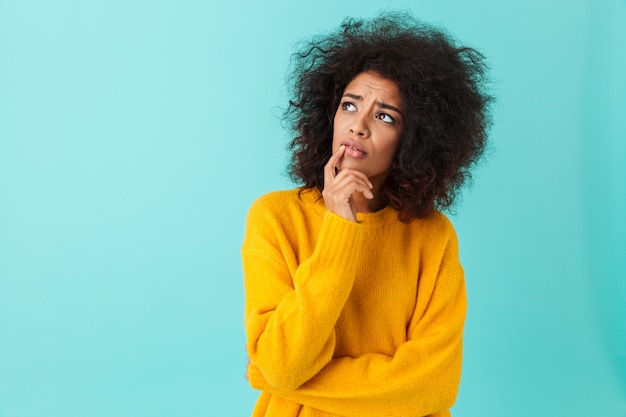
x: 367, y: 129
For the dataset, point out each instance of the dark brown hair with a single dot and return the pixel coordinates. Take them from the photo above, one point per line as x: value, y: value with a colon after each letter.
x: 445, y: 105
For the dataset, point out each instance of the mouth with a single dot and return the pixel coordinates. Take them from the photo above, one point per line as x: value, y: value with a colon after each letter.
x: 353, y: 148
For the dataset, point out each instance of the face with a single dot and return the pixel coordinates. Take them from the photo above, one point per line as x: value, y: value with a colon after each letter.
x: 369, y: 122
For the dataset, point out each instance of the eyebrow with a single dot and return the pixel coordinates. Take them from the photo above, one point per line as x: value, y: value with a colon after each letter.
x: 378, y: 103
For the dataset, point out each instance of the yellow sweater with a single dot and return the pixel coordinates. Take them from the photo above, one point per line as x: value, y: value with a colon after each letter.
x: 351, y: 319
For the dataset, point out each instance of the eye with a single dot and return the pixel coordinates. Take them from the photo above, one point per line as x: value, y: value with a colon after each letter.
x: 384, y: 117
x: 348, y: 106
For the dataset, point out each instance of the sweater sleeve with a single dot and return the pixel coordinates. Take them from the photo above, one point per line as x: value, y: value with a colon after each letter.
x: 421, y: 378
x: 291, y: 311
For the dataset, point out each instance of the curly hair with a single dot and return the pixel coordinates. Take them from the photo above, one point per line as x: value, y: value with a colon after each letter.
x: 445, y: 104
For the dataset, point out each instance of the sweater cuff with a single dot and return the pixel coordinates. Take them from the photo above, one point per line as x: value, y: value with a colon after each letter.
x: 336, y: 255
x: 340, y: 237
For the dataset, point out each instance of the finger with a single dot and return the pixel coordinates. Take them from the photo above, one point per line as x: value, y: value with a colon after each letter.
x: 333, y: 162
x: 351, y: 183
x: 247, y: 374
x: 347, y: 173
x: 347, y: 184
x: 368, y: 194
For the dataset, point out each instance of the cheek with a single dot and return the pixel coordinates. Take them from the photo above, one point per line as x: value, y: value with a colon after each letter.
x: 339, y: 127
x: 390, y: 152
x: 392, y: 146
x: 336, y: 126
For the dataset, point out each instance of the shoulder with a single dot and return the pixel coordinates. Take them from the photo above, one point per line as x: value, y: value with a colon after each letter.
x: 280, y: 218
x: 284, y: 200
x: 436, y: 236
x: 435, y: 224
x: 285, y: 205
x: 275, y: 198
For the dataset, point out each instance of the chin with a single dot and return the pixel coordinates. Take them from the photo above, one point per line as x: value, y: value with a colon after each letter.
x: 352, y: 165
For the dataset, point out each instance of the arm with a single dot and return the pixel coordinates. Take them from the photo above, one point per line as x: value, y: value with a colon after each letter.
x: 423, y: 375
x: 291, y: 311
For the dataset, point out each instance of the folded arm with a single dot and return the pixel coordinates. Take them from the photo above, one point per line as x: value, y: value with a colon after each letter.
x: 421, y: 378
x: 291, y: 313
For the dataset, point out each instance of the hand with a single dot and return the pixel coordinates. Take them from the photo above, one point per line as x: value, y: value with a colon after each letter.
x: 339, y: 187
x: 247, y: 375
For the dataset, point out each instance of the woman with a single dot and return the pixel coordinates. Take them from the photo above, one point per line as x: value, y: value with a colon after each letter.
x: 355, y: 297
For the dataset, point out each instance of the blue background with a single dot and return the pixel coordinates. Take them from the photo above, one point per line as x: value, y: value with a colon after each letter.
x: 135, y: 134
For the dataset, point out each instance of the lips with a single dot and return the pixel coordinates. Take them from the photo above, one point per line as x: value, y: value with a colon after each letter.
x: 354, y: 149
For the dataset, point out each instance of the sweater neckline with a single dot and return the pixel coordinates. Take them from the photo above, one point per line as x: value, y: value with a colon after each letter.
x: 381, y: 217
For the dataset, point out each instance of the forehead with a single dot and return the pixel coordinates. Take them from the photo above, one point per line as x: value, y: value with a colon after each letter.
x: 370, y: 84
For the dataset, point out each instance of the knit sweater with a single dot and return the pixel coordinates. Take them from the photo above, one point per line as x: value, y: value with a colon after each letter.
x: 351, y: 318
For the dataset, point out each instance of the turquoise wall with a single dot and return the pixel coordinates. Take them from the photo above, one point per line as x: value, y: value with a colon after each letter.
x: 135, y: 134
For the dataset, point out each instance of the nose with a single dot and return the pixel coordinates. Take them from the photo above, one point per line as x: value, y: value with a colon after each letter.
x: 359, y: 125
